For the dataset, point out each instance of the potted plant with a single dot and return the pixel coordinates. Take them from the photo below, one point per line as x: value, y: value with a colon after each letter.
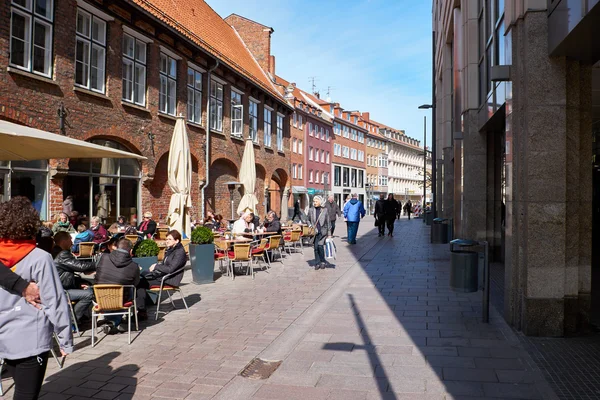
x: 202, y: 255
x: 146, y: 254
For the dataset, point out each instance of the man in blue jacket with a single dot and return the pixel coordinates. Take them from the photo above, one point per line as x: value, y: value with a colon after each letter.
x: 353, y: 212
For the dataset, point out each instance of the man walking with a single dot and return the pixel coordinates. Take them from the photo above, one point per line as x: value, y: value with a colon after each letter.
x: 380, y: 215
x: 333, y: 211
x: 392, y: 209
x: 408, y: 208
x: 353, y: 212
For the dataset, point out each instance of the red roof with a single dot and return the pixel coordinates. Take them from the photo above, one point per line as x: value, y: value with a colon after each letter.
x: 198, y: 22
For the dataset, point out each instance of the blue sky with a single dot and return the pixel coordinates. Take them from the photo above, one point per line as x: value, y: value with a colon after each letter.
x: 375, y: 54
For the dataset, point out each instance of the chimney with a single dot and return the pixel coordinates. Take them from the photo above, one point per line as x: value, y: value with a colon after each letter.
x: 366, y: 116
x: 257, y: 38
x: 272, y: 66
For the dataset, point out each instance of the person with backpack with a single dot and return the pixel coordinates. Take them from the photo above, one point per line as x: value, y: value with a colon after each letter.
x: 353, y: 212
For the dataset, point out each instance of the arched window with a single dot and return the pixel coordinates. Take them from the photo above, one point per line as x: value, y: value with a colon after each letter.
x: 106, y: 187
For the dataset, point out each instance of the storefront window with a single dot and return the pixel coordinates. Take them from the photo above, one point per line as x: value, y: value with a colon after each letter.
x: 105, y: 187
x: 26, y: 178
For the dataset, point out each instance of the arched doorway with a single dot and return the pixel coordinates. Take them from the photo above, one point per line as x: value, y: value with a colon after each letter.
x: 106, y: 187
x: 217, y: 195
x: 276, y: 185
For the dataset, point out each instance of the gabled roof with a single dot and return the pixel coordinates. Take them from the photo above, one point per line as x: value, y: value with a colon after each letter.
x: 399, y: 131
x: 306, y: 98
x: 197, y: 21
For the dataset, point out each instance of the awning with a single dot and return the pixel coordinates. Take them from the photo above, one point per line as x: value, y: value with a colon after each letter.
x: 22, y: 143
x: 299, y: 189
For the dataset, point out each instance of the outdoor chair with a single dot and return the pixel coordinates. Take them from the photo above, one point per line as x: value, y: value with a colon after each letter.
x: 221, y: 255
x: 86, y: 251
x: 259, y: 251
x: 109, y: 301
x: 273, y: 246
x: 186, y: 245
x: 161, y: 234
x: 291, y: 240
x: 73, y: 319
x: 132, y: 238
x: 308, y: 233
x: 168, y: 288
x: 240, y: 255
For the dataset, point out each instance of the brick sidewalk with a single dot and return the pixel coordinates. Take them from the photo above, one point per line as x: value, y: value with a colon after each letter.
x: 381, y: 324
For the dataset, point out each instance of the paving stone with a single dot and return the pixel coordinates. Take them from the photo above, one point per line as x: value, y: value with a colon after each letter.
x: 289, y: 392
x: 473, y: 375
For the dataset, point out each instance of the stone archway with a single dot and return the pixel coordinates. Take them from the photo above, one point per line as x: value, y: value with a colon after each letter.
x: 277, y: 184
x: 217, y: 197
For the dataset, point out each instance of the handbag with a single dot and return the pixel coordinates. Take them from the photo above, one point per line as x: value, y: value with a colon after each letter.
x: 376, y: 222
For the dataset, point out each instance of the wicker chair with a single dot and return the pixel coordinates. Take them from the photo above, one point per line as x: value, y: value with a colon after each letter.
x: 240, y: 255
x: 86, y: 251
x: 109, y: 301
x: 186, y: 245
x: 260, y: 251
x: 291, y: 239
x: 132, y: 238
x: 308, y: 233
x: 221, y: 254
x: 273, y: 246
x: 168, y: 288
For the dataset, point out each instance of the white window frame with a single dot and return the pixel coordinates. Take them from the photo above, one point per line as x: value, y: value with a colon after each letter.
x: 327, y: 157
x: 317, y: 176
x: 310, y: 176
x: 167, y: 103
x: 294, y: 171
x: 322, y: 158
x: 310, y: 153
x: 300, y: 144
x: 99, y: 45
x: 299, y: 171
x: 237, y: 122
x: 294, y: 145
x: 310, y: 129
x: 194, y: 107
x: 327, y: 135
x: 280, y: 119
x: 216, y: 105
x: 267, y: 125
x: 138, y: 67
x: 31, y: 19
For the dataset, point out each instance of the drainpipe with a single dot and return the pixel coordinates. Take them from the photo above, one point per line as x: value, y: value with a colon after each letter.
x: 207, y: 130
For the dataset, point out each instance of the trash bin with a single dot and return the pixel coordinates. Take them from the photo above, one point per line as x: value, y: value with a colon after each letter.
x: 439, y: 231
x: 428, y: 217
x: 464, y: 266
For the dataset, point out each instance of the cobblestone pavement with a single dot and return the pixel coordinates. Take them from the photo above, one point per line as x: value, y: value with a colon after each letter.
x: 381, y: 324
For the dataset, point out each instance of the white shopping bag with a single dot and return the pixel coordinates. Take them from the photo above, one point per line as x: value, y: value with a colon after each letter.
x: 329, y: 248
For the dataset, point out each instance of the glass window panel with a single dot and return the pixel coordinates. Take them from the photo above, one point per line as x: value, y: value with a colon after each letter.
x: 172, y: 67
x: 81, y: 62
x: 172, y: 96
x: 44, y: 8
x: 140, y: 51
x: 128, y: 197
x: 19, y: 45
x: 105, y: 199
x: 97, y: 71
x: 163, y: 63
x: 83, y: 23
x: 129, y: 167
x: 198, y: 107
x: 127, y: 80
x: 128, y: 45
x: 162, y: 100
x: 190, y: 77
x: 33, y: 185
x: 99, y: 31
x: 42, y: 36
x: 140, y: 84
x: 23, y: 3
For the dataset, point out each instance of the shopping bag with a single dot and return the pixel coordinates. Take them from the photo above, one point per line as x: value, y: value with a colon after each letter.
x: 330, y: 248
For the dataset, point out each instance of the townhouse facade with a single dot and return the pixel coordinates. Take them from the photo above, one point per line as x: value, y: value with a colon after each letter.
x: 119, y: 75
x: 376, y: 162
x: 517, y: 119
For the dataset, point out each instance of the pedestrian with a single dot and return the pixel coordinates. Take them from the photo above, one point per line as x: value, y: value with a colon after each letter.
x: 333, y: 210
x: 353, y: 212
x: 392, y: 209
x: 408, y: 208
x: 297, y: 210
x: 380, y: 215
x: 26, y: 331
x: 319, y: 218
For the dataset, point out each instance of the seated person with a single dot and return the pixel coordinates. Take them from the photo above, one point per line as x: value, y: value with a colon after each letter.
x: 255, y: 220
x: 99, y: 231
x: 84, y: 235
x: 244, y: 224
x: 74, y: 218
x: 43, y: 239
x: 63, y: 224
x: 67, y: 265
x: 272, y: 223
x: 209, y: 221
x: 120, y: 226
x: 147, y: 227
x: 117, y: 267
x: 175, y: 259
x: 218, y: 224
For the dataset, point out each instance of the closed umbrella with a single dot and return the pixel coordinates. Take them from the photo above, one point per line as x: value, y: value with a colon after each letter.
x: 180, y: 180
x: 248, y: 178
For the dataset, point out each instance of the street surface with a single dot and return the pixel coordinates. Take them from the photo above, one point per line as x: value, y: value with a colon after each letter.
x: 382, y: 324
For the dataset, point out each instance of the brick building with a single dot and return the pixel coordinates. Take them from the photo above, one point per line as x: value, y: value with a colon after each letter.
x: 122, y: 72
x: 376, y: 161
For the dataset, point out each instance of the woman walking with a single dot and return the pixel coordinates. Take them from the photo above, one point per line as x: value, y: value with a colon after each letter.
x: 319, y: 219
x: 26, y: 331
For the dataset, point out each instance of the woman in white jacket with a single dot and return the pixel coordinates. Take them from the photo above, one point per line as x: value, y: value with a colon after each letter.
x: 25, y: 330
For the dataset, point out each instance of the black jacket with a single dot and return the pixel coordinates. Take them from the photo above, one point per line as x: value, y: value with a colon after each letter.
x: 11, y: 281
x: 380, y: 208
x: 67, y: 265
x: 273, y: 226
x: 150, y: 229
x: 333, y: 210
x: 117, y: 267
x: 175, y: 259
x: 391, y: 209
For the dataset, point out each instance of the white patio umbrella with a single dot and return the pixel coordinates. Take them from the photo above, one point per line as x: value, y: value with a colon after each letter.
x: 22, y: 143
x: 248, y: 178
x: 180, y: 180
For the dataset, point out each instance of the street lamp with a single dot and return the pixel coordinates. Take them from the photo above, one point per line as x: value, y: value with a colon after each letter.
x: 425, y: 107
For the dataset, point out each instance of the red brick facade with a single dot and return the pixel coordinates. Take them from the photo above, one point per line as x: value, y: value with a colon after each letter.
x: 32, y: 100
